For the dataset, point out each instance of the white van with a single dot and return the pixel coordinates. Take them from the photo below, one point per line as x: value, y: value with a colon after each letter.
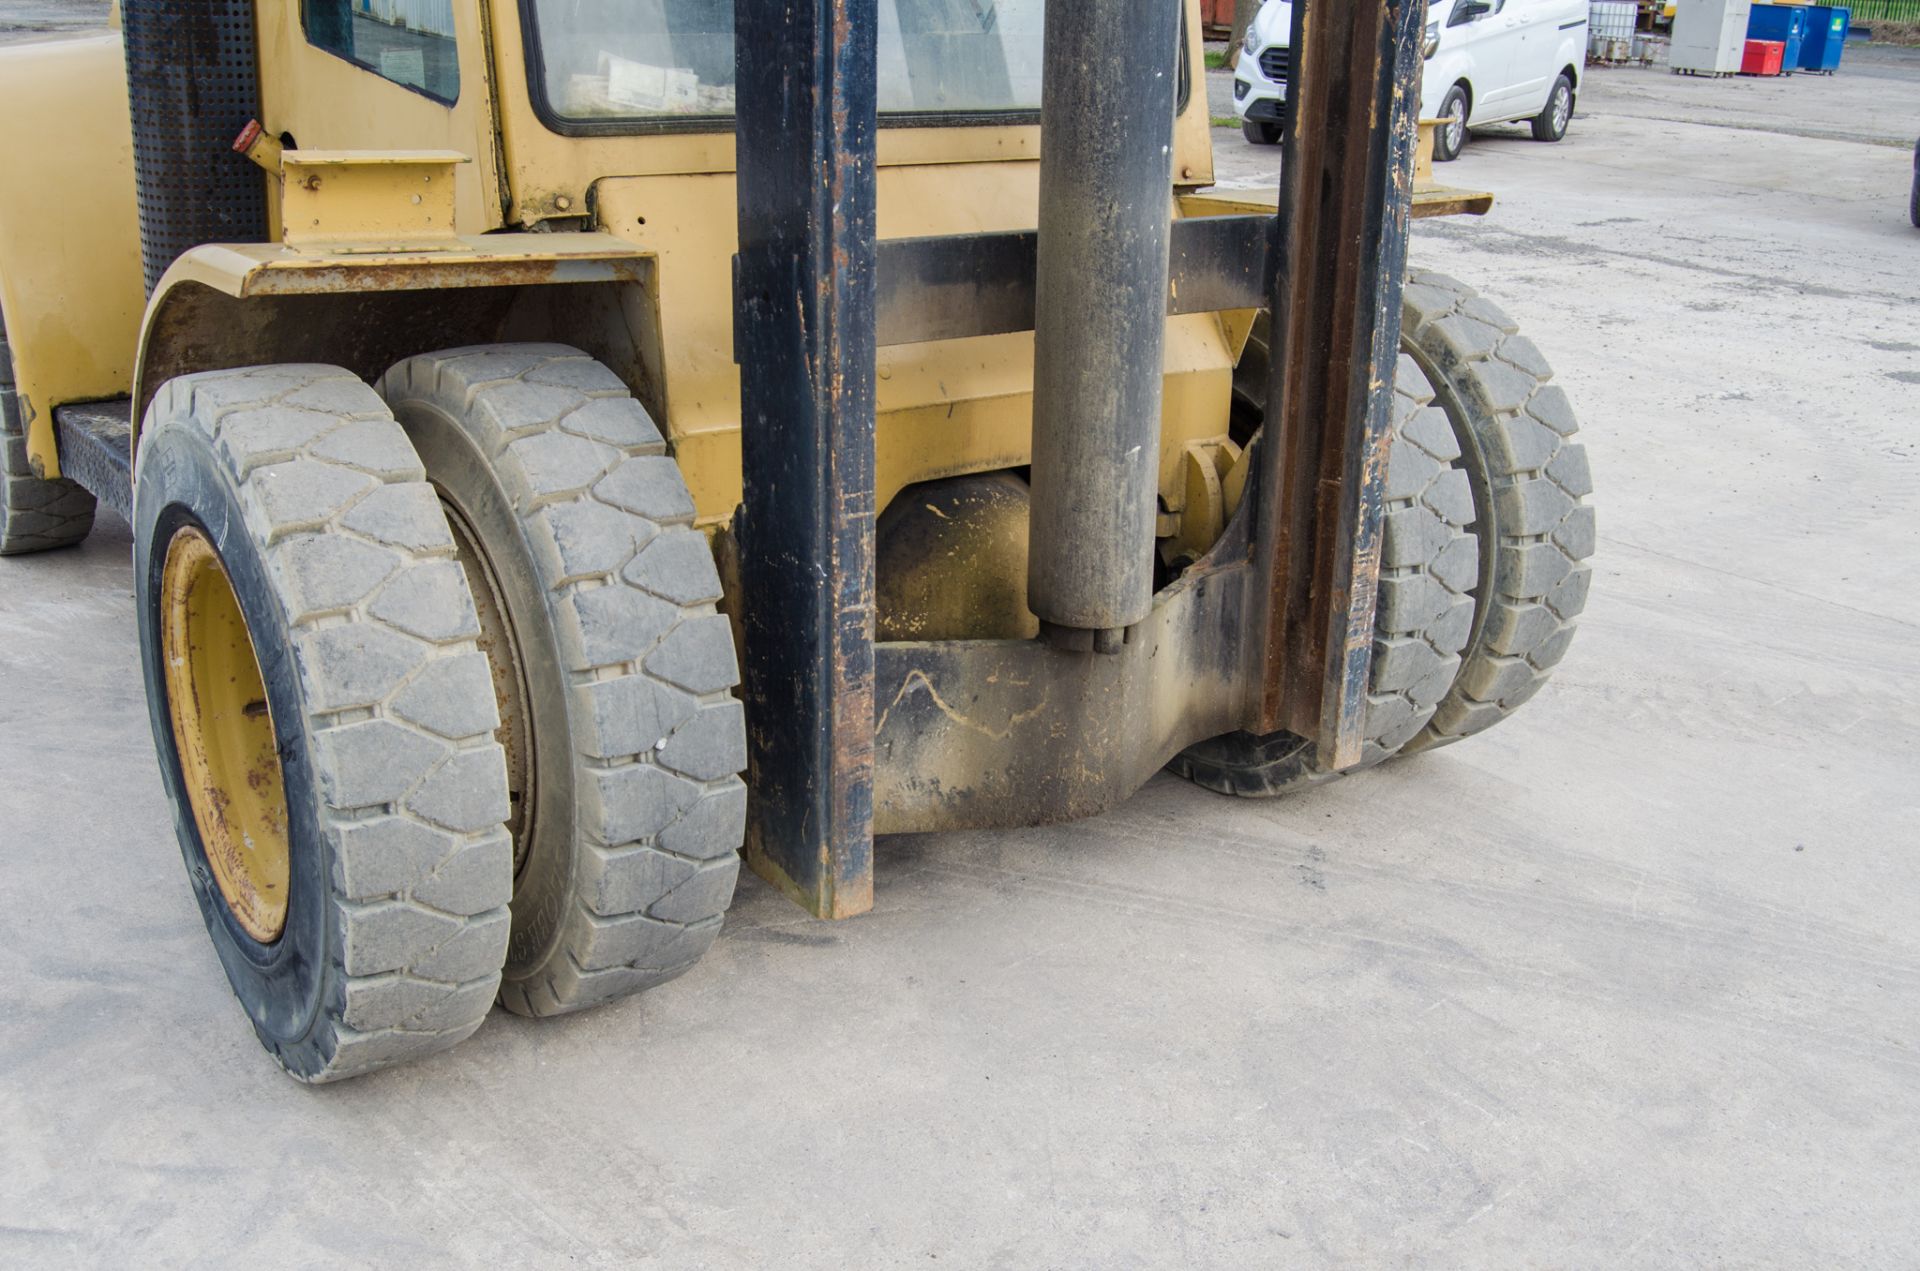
x: 1488, y: 62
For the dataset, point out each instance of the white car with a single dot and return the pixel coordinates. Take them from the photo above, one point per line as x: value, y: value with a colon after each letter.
x: 1488, y: 62
x: 1260, y: 74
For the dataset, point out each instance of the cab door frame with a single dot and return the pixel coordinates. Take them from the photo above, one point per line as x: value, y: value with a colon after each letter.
x: 326, y: 102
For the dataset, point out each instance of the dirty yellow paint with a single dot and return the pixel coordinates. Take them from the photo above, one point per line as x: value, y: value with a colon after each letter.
x: 344, y: 222
x: 368, y: 201
x: 71, y: 288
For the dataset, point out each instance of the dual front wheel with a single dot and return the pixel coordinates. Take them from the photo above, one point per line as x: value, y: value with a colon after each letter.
x: 1484, y: 543
x: 440, y: 692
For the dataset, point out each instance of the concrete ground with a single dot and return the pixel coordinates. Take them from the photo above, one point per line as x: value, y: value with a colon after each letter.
x: 1630, y: 981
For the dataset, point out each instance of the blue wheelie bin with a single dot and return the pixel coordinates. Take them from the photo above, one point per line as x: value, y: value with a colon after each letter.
x: 1826, y: 37
x: 1786, y: 23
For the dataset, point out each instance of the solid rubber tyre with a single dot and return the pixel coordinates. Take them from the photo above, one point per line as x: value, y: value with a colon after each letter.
x: 36, y: 515
x: 1519, y: 440
x: 629, y: 848
x: 382, y: 715
x: 1261, y: 132
x: 1551, y: 123
x: 1429, y: 566
x: 1449, y: 141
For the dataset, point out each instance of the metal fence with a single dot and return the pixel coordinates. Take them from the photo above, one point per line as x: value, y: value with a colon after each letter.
x: 1882, y: 10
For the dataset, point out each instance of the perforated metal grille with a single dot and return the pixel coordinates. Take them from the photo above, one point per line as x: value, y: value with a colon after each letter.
x: 191, y: 70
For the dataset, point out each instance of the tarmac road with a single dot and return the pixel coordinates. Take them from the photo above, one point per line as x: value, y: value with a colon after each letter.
x: 1631, y: 981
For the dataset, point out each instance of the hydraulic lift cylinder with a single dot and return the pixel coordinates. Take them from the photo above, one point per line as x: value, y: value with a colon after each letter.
x: 1100, y: 309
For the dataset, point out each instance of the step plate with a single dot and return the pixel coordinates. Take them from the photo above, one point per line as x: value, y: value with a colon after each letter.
x: 96, y: 450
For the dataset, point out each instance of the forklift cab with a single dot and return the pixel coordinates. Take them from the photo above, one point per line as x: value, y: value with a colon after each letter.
x: 620, y: 119
x: 649, y: 88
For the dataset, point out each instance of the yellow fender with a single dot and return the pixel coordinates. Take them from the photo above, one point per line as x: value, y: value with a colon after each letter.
x: 70, y: 280
x: 227, y: 305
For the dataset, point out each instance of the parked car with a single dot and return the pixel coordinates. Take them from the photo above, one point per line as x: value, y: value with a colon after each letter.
x: 1260, y: 74
x: 1488, y: 62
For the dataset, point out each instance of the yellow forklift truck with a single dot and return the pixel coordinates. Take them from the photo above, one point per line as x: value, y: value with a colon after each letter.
x: 535, y: 414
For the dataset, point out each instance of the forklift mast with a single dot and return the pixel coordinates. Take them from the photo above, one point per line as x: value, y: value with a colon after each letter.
x: 1271, y: 630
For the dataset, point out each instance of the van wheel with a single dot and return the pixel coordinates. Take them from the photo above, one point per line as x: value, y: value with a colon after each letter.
x: 611, y: 664
x: 1450, y: 138
x: 1260, y: 132
x: 323, y: 716
x: 36, y: 515
x: 1551, y: 123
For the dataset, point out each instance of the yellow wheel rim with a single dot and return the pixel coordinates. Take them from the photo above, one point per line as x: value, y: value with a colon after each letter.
x: 223, y: 730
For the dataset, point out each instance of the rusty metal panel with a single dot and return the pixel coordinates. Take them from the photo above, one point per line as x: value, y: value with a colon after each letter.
x: 976, y: 734
x: 1428, y: 200
x: 227, y: 306
x: 949, y: 287
x: 1222, y: 262
x: 368, y: 200
x: 1443, y: 200
x: 471, y: 260
x: 1345, y: 194
x: 804, y: 339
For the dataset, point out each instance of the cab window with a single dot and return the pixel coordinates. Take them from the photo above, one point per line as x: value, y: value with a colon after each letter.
x: 662, y: 62
x: 407, y: 41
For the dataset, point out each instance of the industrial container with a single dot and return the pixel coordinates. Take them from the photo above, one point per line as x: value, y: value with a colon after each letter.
x: 1708, y: 36
x: 1786, y: 23
x: 1762, y: 57
x: 1826, y: 36
x: 1610, y: 26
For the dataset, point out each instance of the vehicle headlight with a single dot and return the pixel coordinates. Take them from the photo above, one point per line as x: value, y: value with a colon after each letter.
x: 1433, y: 40
x: 1252, y: 43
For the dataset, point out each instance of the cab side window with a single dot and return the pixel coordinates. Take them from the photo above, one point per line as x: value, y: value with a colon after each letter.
x: 407, y: 41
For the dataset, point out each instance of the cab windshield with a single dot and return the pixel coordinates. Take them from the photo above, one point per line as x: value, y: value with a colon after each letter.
x: 666, y: 61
